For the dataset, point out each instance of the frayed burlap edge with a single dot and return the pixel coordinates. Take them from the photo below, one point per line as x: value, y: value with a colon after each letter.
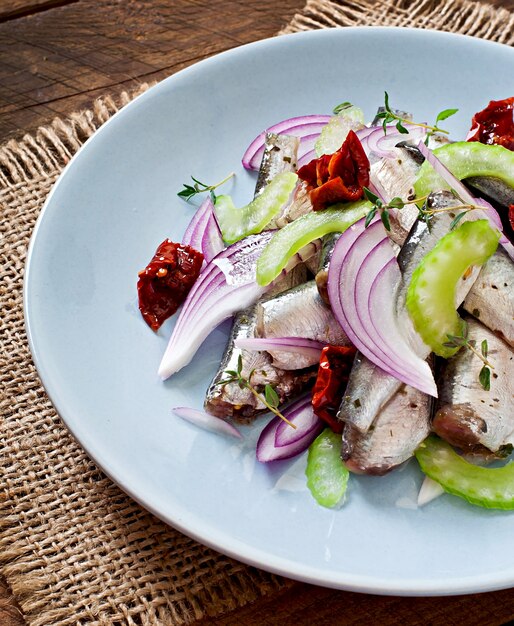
x: 51, y: 147
x: 74, y: 548
x: 457, y: 16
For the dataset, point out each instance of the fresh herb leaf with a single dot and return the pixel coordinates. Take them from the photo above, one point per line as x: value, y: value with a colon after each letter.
x: 341, y: 107
x: 271, y: 396
x: 239, y: 365
x: 485, y: 378
x: 384, y: 216
x: 374, y: 199
x: 190, y: 191
x: 443, y: 115
x: 370, y: 216
x: 457, y: 219
x: 396, y: 203
x: 401, y: 128
x: 484, y: 348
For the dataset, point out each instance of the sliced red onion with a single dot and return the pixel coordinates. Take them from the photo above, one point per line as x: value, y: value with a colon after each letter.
x: 206, y: 421
x: 489, y: 213
x: 203, y: 233
x: 301, y: 414
x: 381, y: 144
x: 298, y: 345
x: 225, y: 286
x: 369, y: 320
x: 303, y: 126
x: 301, y: 411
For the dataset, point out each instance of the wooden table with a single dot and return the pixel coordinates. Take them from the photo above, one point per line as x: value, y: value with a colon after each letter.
x: 56, y: 56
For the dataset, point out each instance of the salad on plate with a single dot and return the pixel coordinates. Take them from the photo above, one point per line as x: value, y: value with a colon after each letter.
x: 370, y: 283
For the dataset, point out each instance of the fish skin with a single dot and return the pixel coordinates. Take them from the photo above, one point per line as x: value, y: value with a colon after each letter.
x: 403, y: 423
x: 280, y: 155
x: 491, y: 298
x: 328, y: 243
x: 492, y: 188
x: 367, y: 391
x: 298, y: 312
x: 467, y: 415
x: 230, y: 401
x: 396, y: 176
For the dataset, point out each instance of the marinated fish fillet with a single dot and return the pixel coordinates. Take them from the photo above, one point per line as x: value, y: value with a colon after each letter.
x: 300, y: 205
x: 396, y: 176
x: 403, y: 423
x: 327, y: 246
x: 230, y: 401
x: 469, y: 416
x: 298, y: 312
x: 280, y: 155
x: 491, y: 298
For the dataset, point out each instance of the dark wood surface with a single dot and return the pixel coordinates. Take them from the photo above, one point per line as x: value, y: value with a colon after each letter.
x: 56, y: 56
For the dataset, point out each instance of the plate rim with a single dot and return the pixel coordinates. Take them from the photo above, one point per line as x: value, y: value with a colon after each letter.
x: 204, y: 533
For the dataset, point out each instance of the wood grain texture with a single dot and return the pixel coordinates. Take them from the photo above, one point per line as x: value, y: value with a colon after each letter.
x: 59, y: 60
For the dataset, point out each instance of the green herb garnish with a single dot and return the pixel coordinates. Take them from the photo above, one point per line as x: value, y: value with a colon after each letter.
x: 484, y: 376
x: 390, y: 117
x: 270, y: 397
x: 190, y: 191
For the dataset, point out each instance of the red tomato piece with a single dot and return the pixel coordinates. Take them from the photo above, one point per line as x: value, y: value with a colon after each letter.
x: 495, y: 124
x: 337, y: 177
x: 165, y: 282
x: 334, y: 369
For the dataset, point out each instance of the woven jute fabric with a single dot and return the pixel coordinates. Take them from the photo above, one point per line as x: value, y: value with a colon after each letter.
x: 73, y: 547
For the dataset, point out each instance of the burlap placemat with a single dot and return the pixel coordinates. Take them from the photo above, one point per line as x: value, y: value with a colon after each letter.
x: 73, y: 547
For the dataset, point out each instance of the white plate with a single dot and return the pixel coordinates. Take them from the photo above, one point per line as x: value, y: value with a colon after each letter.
x: 116, y: 201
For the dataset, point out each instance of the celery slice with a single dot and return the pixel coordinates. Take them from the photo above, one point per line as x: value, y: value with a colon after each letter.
x: 289, y: 240
x: 334, y: 133
x: 465, y: 159
x: 432, y: 290
x: 327, y: 477
x: 235, y: 224
x: 490, y: 487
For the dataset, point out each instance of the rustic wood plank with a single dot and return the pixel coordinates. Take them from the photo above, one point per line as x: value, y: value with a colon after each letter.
x: 304, y: 605
x: 11, y: 9
x: 61, y: 59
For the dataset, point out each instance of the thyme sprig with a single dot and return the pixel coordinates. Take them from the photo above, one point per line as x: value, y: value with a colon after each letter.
x: 190, y: 191
x: 425, y: 214
x: 270, y: 397
x: 389, y: 116
x: 461, y: 341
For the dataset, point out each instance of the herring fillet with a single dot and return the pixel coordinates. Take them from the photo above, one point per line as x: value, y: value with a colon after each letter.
x: 403, y: 423
x: 468, y: 416
x: 491, y: 298
x: 298, y: 312
x: 230, y: 401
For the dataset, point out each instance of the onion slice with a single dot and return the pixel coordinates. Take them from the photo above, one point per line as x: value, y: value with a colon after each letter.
x: 303, y: 126
x: 206, y: 421
x: 363, y: 281
x: 298, y: 345
x: 429, y: 490
x: 308, y: 427
x: 203, y: 233
x: 226, y: 285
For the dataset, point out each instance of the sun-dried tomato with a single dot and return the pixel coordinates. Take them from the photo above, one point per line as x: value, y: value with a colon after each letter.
x: 511, y: 216
x: 337, y: 177
x: 165, y: 282
x: 495, y: 124
x: 334, y: 369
